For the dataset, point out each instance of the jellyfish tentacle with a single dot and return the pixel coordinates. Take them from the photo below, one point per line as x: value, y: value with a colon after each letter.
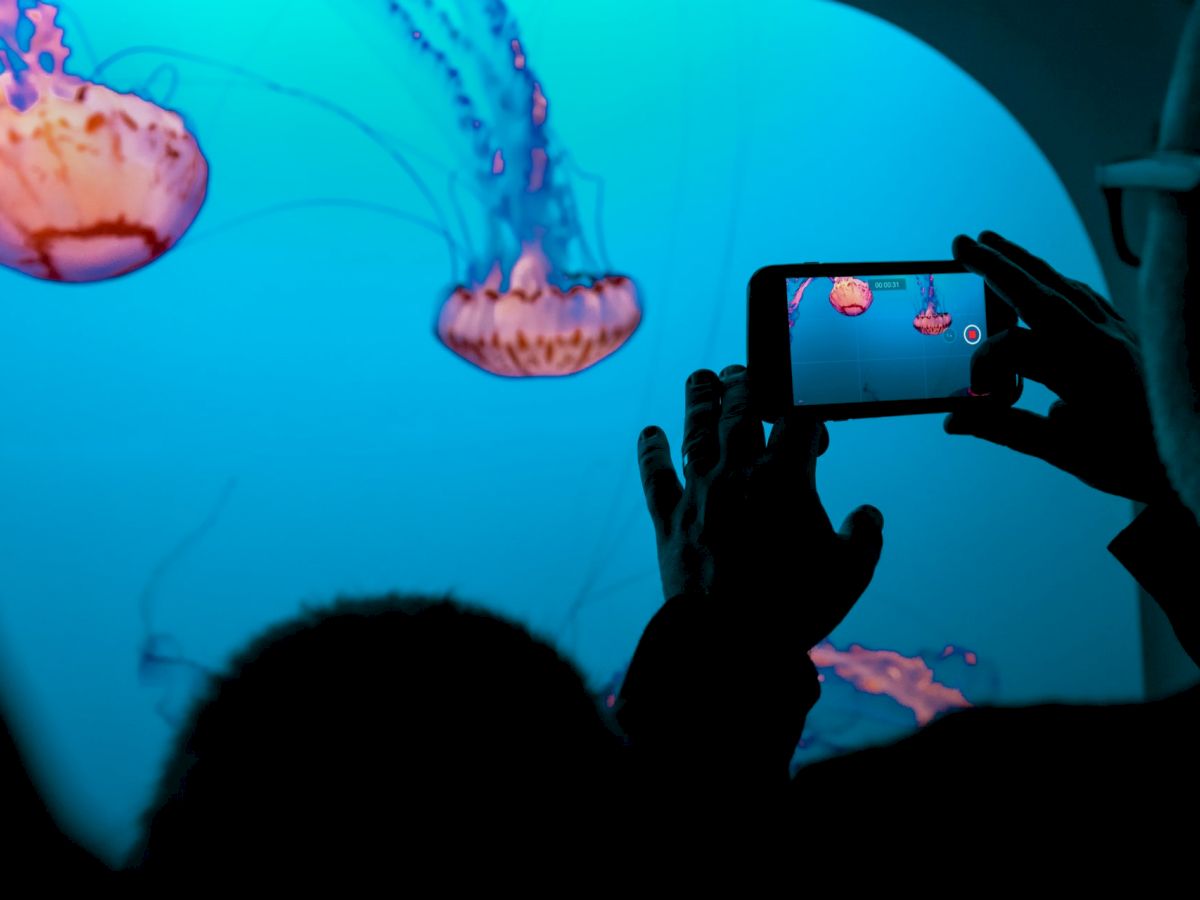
x: 161, y: 658
x: 172, y: 74
x: 311, y: 203
x: 364, y: 127
x: 452, y: 193
x: 178, y: 552
x: 569, y: 161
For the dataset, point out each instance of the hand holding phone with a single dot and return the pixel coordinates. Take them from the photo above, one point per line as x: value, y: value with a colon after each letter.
x: 1082, y: 349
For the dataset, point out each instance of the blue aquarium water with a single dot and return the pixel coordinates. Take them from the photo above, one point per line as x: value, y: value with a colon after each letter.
x: 265, y: 417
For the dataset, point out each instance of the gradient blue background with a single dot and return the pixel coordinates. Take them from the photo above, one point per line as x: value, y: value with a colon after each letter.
x: 295, y: 353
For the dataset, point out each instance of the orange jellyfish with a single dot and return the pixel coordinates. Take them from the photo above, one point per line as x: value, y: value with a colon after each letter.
x: 93, y: 183
x: 534, y: 327
x: 851, y: 296
x: 535, y: 300
x: 907, y: 680
x: 931, y: 322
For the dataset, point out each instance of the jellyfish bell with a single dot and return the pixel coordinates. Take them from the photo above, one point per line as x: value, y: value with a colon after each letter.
x: 850, y: 296
x: 533, y: 326
x: 517, y: 311
x: 93, y: 183
x: 931, y: 321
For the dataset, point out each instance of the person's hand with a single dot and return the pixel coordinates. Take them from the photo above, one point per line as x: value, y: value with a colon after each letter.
x: 1083, y: 350
x: 747, y: 525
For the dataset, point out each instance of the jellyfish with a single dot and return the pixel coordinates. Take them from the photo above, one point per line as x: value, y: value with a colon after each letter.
x: 850, y: 296
x: 908, y: 680
x: 869, y: 696
x: 873, y: 696
x: 931, y: 319
x: 523, y: 306
x: 162, y: 663
x: 93, y: 183
x: 797, y: 296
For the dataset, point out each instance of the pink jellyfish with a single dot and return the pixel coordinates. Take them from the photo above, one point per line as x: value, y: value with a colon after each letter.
x: 907, y: 680
x: 850, y: 296
x: 93, y: 183
x: 534, y: 301
x: 931, y: 319
x: 534, y: 327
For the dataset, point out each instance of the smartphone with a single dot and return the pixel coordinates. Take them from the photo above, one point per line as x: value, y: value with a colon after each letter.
x: 853, y: 340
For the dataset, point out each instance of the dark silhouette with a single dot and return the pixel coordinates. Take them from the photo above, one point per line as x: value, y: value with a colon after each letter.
x: 398, y: 733
x: 1104, y: 774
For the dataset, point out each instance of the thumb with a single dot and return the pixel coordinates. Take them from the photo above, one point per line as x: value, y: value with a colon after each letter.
x: 860, y: 542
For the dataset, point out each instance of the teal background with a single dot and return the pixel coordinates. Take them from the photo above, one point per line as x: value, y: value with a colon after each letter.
x: 294, y: 351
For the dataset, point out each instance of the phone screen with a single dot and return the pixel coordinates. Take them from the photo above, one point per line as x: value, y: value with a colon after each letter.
x: 873, y: 338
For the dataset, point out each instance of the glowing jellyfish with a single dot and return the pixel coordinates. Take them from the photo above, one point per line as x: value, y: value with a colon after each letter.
x: 909, y: 680
x: 875, y: 696
x: 850, y: 296
x: 93, y: 183
x: 931, y: 319
x: 524, y: 306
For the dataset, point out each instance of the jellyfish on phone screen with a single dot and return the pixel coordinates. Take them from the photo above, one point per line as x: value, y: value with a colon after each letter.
x: 93, y: 183
x: 931, y: 319
x: 850, y: 296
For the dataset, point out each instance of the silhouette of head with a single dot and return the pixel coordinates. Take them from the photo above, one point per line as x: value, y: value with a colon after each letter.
x: 1170, y: 305
x: 396, y: 732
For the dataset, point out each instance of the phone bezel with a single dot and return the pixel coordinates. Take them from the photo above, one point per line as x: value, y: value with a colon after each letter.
x: 768, y: 352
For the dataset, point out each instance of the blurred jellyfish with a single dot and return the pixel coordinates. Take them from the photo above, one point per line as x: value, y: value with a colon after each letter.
x: 162, y: 664
x: 906, y: 679
x: 797, y: 296
x: 93, y: 183
x: 850, y: 296
x: 521, y: 309
x: 931, y: 319
x: 871, y: 696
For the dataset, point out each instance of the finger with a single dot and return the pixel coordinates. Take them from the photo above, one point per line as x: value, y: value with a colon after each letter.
x: 659, y: 481
x: 702, y: 409
x: 1041, y: 307
x: 1084, y: 298
x: 741, y: 433
x: 796, y: 442
x: 862, y: 532
x: 1017, y: 351
x: 1018, y: 429
x: 1106, y: 309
